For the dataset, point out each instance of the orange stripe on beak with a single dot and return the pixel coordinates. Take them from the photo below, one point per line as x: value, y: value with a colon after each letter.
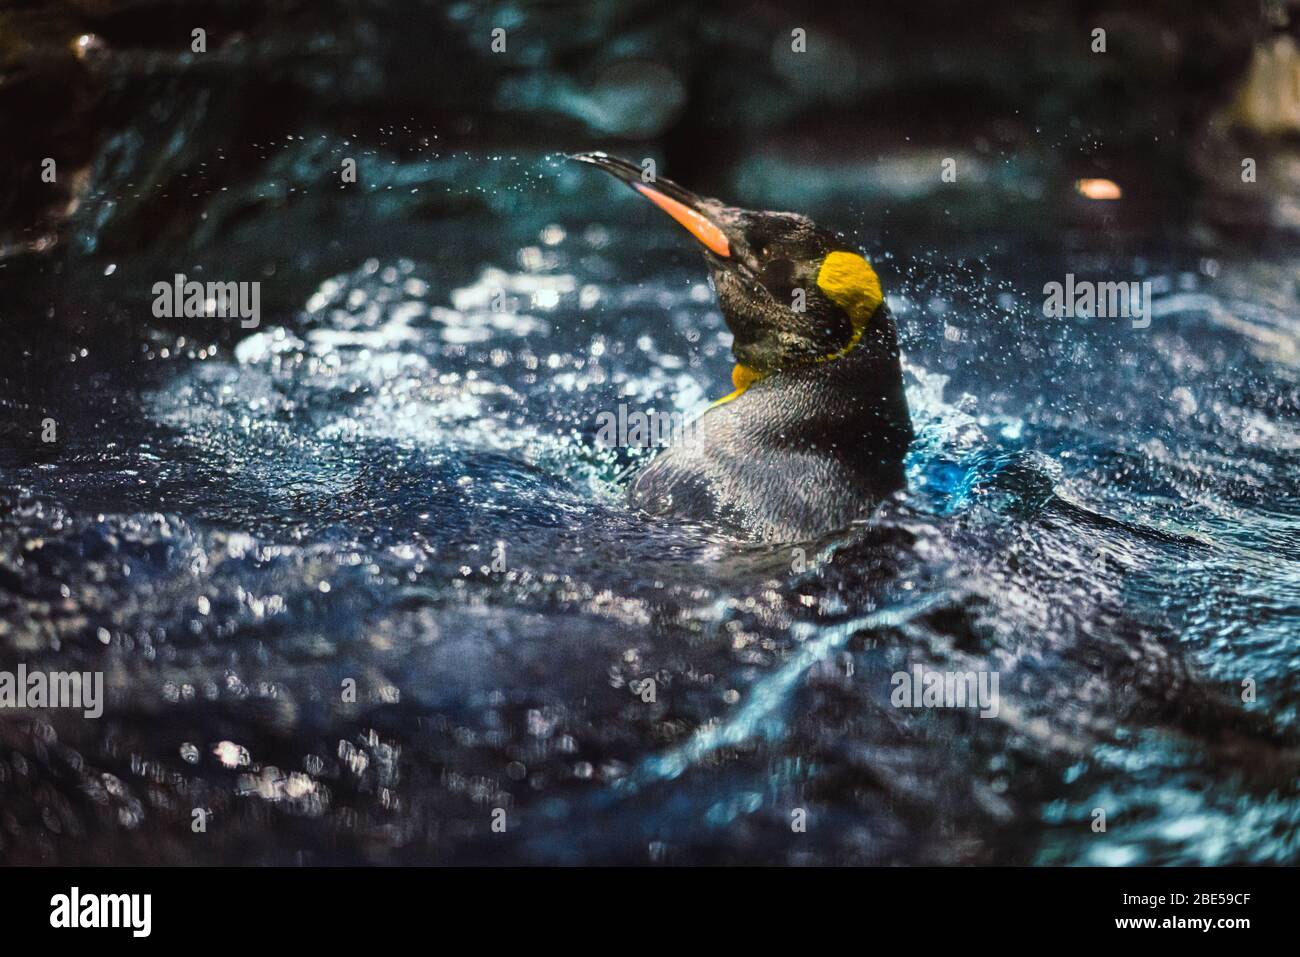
x: 696, y: 224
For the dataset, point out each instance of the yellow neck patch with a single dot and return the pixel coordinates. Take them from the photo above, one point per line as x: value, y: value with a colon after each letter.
x: 742, y: 377
x: 847, y: 280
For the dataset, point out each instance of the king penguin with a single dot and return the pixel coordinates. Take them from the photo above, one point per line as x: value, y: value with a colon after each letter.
x: 814, y: 432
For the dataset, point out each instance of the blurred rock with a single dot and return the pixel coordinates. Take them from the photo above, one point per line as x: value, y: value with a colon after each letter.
x: 1249, y: 154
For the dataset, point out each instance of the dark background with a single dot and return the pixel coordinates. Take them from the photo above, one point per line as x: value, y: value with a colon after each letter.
x: 1110, y: 509
x: 232, y: 156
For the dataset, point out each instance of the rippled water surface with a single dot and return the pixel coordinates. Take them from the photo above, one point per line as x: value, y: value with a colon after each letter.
x: 397, y: 483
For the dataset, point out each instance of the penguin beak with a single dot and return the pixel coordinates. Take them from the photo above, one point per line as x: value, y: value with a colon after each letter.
x: 679, y: 203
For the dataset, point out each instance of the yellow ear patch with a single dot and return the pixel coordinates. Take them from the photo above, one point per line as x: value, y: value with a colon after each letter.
x: 849, y: 281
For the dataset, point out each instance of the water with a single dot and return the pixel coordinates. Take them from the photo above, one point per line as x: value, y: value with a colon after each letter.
x: 394, y: 487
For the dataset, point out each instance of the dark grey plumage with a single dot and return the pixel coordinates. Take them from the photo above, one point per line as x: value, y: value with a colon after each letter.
x: 798, y: 454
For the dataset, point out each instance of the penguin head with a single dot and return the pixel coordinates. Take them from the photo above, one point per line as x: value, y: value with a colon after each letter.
x: 791, y: 292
